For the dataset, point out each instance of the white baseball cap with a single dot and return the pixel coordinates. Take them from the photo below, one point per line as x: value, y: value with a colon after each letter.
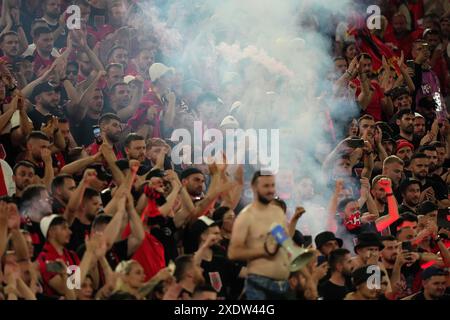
x: 418, y: 115
x: 229, y: 122
x: 235, y: 106
x: 157, y: 70
x: 127, y: 79
x: 46, y: 222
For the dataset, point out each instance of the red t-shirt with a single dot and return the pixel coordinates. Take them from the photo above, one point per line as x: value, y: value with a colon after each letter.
x: 403, y: 44
x: 374, y: 107
x: 40, y: 62
x: 49, y: 253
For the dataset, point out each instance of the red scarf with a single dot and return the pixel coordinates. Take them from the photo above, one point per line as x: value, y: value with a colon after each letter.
x: 3, y: 189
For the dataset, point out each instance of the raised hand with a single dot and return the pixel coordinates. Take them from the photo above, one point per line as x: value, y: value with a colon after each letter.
x: 299, y: 211
x: 89, y: 176
x: 386, y: 184
x: 46, y: 156
x: 134, y: 166
x: 13, y: 217
x: 378, y: 135
x: 365, y: 186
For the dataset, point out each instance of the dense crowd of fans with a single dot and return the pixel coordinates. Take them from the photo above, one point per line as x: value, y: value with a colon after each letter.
x: 89, y: 190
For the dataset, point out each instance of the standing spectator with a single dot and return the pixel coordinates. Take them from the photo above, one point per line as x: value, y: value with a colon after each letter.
x: 135, y: 147
x: 359, y: 280
x: 218, y: 271
x: 337, y: 287
x: 57, y: 233
x: 425, y: 80
x: 393, y: 169
x: 401, y: 38
x: 62, y: 189
x: 110, y: 130
x: 267, y: 265
x: 35, y: 204
x: 410, y: 191
x: 43, y: 50
x: 405, y: 122
x: 46, y: 100
x: 326, y: 242
x: 23, y: 176
x: 9, y: 44
x: 55, y: 19
x: 419, y: 125
x: 189, y: 275
x: 434, y: 284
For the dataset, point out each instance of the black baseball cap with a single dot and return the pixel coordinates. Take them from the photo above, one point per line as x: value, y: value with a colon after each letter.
x: 41, y: 88
x: 189, y: 171
x: 433, y: 271
x: 405, y: 183
x: 397, y: 92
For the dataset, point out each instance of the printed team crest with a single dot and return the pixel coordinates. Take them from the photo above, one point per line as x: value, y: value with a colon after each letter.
x: 216, y: 281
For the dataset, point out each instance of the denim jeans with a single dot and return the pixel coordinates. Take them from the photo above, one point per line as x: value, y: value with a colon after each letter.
x: 263, y: 288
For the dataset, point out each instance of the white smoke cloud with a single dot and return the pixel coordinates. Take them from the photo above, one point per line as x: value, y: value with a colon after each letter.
x: 279, y: 55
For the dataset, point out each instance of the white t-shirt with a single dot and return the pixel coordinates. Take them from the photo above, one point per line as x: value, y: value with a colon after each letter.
x: 7, y: 176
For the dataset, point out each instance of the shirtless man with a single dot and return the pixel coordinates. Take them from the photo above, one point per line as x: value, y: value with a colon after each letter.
x: 268, y: 266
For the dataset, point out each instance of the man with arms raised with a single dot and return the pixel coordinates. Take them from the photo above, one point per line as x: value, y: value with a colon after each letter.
x: 268, y: 266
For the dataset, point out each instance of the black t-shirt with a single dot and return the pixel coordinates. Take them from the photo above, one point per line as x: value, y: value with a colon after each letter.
x: 438, y: 185
x: 58, y: 207
x: 39, y: 119
x: 82, y: 132
x: 10, y: 152
x: 421, y: 296
x: 117, y: 253
x: 220, y: 273
x: 331, y: 291
x: 79, y: 233
x: 403, y: 208
x: 163, y: 228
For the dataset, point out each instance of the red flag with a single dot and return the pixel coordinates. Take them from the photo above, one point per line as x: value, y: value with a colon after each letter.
x: 372, y: 45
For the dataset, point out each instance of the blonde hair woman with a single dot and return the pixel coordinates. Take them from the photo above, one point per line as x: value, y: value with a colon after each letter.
x: 131, y: 278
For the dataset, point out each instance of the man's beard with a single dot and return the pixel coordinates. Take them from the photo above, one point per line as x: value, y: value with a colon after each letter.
x: 391, y: 259
x: 53, y: 15
x: 113, y: 138
x: 409, y: 129
x: 49, y: 106
x: 263, y: 199
x: 90, y: 216
x: 433, y: 167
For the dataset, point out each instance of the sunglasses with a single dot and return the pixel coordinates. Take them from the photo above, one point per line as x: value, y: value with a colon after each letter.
x: 74, y: 72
